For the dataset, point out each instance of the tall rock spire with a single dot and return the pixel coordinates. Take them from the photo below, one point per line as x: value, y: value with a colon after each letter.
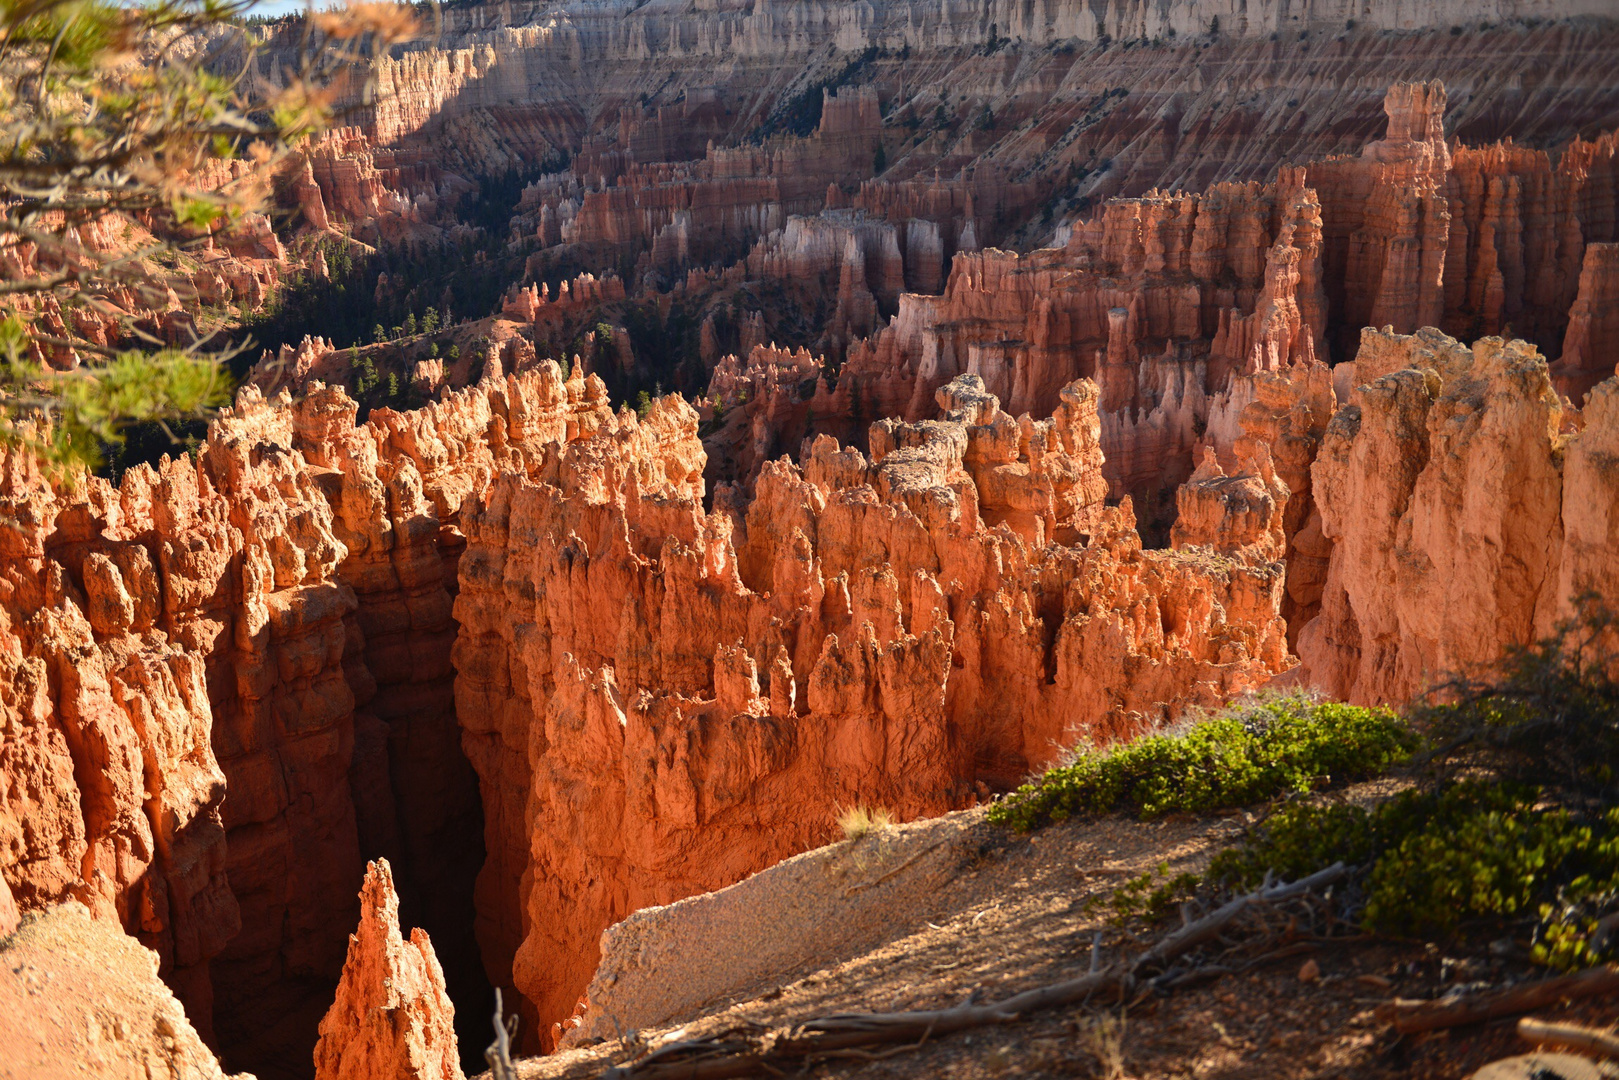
x: 392, y: 1016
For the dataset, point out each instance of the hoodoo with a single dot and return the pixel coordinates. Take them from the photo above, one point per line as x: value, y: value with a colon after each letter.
x: 670, y: 428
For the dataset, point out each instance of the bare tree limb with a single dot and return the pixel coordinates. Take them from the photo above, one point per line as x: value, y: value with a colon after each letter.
x: 1410, y: 1017
x: 1589, y: 1040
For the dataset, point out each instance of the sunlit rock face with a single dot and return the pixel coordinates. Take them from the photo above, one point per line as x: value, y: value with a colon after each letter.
x: 664, y: 699
x: 391, y: 1016
x: 1442, y: 486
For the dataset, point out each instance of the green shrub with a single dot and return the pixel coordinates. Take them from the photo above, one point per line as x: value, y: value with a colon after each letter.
x: 1547, y: 715
x: 1481, y: 854
x: 1294, y: 843
x: 1151, y: 896
x: 1238, y: 758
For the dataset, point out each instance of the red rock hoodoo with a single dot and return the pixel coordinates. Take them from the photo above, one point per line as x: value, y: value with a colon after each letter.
x: 392, y: 1016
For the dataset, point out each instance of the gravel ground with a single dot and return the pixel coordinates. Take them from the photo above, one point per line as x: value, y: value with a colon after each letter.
x: 1016, y: 917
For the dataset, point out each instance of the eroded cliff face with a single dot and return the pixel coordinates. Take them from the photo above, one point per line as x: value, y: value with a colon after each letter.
x: 1472, y: 242
x: 1442, y: 487
x: 663, y: 699
x: 271, y: 619
x: 556, y: 661
x: 679, y: 137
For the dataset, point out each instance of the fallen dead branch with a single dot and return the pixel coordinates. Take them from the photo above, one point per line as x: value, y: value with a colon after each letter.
x: 1540, y: 1034
x: 747, y: 1051
x: 1410, y: 1017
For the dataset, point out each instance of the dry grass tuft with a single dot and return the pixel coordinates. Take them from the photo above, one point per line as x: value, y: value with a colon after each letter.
x: 857, y: 821
x: 1103, y: 1036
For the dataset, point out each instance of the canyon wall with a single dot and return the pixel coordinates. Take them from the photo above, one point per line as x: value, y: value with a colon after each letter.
x: 1205, y: 318
x: 1472, y: 241
x: 662, y: 700
x: 946, y: 119
x: 227, y: 678
x: 271, y: 619
x: 555, y: 660
x: 1465, y: 517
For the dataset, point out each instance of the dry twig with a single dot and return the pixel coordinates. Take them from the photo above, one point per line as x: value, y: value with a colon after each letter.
x: 1540, y: 1034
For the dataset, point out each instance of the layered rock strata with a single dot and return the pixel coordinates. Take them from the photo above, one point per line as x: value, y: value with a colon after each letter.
x: 918, y: 119
x: 650, y: 691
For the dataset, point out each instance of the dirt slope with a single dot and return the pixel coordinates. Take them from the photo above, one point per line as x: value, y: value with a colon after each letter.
x: 1015, y: 917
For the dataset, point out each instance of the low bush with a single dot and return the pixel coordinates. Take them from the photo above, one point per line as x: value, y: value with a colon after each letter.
x: 1476, y: 856
x: 1151, y: 896
x: 1243, y: 756
x: 1526, y: 843
x: 1547, y: 715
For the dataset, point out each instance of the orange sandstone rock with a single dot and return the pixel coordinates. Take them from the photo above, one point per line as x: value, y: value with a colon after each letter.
x: 82, y: 999
x: 643, y: 682
x: 1442, y: 489
x: 1591, y: 346
x: 392, y: 1016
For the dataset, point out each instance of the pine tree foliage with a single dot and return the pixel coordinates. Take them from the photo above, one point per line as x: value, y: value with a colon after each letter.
x: 112, y: 115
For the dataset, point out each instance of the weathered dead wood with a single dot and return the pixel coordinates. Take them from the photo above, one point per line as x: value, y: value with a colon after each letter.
x: 727, y: 1055
x: 1411, y: 1017
x: 1540, y: 1034
x: 1209, y: 926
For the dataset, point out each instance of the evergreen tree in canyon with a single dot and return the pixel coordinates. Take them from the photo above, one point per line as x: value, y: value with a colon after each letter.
x: 127, y: 139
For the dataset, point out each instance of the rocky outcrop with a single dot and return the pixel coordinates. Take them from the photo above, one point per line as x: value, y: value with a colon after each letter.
x: 1176, y: 305
x: 1475, y: 241
x: 1241, y: 513
x: 392, y: 1016
x: 642, y: 681
x: 1441, y: 486
x: 113, y: 792
x: 1590, y: 499
x: 82, y: 999
x: 519, y: 618
x: 662, y: 963
x: 680, y: 161
x: 1591, y: 346
x: 271, y: 619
